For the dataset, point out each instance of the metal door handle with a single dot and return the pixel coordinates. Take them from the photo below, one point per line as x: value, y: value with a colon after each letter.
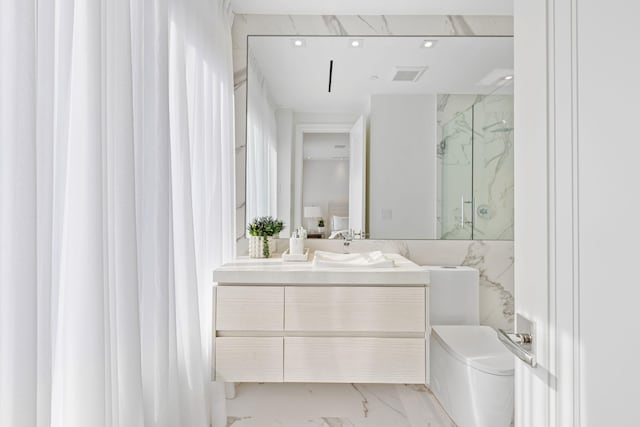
x: 462, y: 203
x: 515, y: 343
x: 520, y: 343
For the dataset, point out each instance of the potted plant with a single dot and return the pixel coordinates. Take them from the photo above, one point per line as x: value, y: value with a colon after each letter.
x: 321, y: 225
x: 261, y: 236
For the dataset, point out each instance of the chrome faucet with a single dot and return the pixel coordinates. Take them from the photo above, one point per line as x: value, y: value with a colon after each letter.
x: 350, y: 236
x: 347, y: 238
x: 359, y: 235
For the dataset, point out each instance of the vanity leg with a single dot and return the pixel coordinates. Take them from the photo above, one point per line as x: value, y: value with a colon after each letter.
x: 230, y: 390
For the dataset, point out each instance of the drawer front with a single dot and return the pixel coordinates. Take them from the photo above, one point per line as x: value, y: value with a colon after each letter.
x: 249, y: 359
x: 355, y: 309
x: 359, y: 360
x: 249, y: 308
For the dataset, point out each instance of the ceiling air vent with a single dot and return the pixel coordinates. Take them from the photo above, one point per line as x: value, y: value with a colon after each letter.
x: 408, y: 74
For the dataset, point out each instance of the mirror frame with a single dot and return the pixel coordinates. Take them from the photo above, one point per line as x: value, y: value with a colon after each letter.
x: 335, y: 25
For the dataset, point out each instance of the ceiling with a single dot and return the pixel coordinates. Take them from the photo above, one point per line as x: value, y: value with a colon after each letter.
x: 373, y: 7
x: 298, y: 78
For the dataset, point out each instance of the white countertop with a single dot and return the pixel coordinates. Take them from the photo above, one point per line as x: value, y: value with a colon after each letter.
x: 245, y: 270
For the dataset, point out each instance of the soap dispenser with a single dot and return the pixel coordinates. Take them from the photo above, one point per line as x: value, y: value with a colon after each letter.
x: 296, y: 243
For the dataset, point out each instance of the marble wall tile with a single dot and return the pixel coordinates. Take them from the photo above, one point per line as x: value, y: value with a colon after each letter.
x: 493, y: 167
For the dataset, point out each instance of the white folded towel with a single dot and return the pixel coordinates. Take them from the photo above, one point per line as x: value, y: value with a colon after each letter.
x: 375, y: 259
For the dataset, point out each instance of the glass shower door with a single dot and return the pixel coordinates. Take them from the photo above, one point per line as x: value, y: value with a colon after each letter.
x: 455, y: 171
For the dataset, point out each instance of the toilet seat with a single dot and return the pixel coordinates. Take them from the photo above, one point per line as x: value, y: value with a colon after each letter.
x: 476, y: 346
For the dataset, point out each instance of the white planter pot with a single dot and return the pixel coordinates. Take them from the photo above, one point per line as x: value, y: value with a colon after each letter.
x: 257, y: 248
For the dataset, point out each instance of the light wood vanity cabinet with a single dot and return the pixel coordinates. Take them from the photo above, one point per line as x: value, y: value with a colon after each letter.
x: 250, y: 308
x: 249, y: 359
x: 354, y: 360
x: 354, y: 309
x: 321, y: 333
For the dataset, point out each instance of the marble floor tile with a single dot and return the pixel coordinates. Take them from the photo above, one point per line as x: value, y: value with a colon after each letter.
x: 334, y: 405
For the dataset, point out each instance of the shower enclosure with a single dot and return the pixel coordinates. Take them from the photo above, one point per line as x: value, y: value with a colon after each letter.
x: 475, y: 166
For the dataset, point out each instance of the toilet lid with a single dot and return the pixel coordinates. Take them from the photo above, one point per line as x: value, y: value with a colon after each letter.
x: 476, y: 346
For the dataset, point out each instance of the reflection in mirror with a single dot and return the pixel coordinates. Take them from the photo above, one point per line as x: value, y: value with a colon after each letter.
x: 325, y: 179
x: 389, y: 138
x: 475, y: 168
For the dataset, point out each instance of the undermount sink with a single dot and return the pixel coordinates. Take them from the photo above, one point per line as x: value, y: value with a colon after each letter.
x: 375, y: 259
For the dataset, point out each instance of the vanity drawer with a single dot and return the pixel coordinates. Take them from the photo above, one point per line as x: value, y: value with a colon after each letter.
x: 355, y: 309
x: 249, y: 359
x: 359, y: 360
x: 249, y: 308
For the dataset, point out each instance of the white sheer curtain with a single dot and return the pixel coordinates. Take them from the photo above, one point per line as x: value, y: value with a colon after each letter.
x: 116, y: 202
x: 262, y: 146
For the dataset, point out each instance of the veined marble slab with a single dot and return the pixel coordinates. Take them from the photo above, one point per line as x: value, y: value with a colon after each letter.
x: 275, y: 271
x: 335, y: 405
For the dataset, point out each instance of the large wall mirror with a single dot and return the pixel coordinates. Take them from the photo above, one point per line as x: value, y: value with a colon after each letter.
x: 397, y: 137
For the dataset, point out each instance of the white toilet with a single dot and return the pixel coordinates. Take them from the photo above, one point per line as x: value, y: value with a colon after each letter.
x: 471, y: 371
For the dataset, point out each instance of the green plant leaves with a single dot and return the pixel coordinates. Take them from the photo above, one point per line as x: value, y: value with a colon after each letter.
x: 265, y: 226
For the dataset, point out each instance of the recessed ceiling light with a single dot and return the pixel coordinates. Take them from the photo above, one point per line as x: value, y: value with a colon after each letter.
x: 355, y: 43
x: 509, y: 77
x: 428, y: 43
x: 298, y: 42
x: 496, y: 77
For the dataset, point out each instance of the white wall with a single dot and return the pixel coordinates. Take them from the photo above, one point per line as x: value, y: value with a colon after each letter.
x: 402, y: 200
x: 323, y: 118
x: 325, y: 145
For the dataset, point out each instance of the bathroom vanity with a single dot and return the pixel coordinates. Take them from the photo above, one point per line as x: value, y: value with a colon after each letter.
x: 295, y: 322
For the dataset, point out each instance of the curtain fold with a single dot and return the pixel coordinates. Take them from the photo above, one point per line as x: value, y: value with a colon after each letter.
x: 117, y: 201
x: 262, y: 146
x: 18, y: 248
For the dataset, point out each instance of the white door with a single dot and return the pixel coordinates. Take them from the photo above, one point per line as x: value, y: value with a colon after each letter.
x: 577, y: 204
x: 357, y: 174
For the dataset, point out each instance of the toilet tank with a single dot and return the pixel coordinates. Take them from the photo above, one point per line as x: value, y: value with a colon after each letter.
x: 454, y: 295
